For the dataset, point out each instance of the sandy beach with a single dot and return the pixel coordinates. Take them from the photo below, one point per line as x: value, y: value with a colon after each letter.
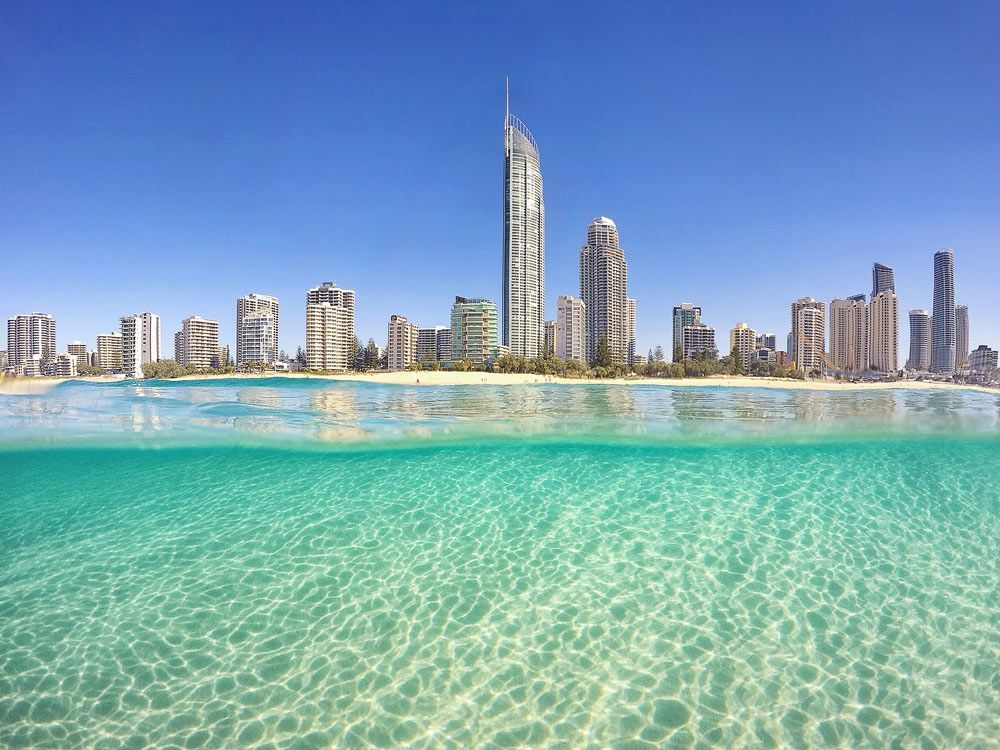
x: 14, y: 386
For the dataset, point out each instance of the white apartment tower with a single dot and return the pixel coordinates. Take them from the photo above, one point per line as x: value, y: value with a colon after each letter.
x: 197, y: 343
x: 28, y: 336
x: 604, y: 289
x: 522, y: 315
x: 849, y: 334
x: 571, y: 328
x: 698, y: 339
x: 402, y: 349
x: 684, y: 314
x: 260, y: 343
x: 808, y: 337
x: 140, y: 342
x: 883, y: 332
x: 329, y: 327
x: 743, y: 343
x: 434, y: 344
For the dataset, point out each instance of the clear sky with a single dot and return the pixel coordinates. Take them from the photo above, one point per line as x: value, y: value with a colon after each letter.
x: 173, y: 156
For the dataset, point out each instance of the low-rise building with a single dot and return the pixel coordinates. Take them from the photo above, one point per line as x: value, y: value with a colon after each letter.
x: 983, y: 359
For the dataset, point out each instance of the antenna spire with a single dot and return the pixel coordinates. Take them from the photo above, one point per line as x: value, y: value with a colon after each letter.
x: 506, y: 119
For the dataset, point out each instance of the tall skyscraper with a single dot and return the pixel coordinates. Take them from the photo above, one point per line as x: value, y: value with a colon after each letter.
x: 140, y: 342
x: 743, y: 341
x: 961, y: 336
x: 523, y: 299
x: 29, y: 336
x: 249, y: 342
x: 685, y: 314
x: 197, y: 343
x: 630, y: 331
x: 402, y: 346
x: 883, y: 279
x: 329, y: 327
x: 808, y: 337
x: 943, y: 332
x: 920, y: 341
x: 571, y: 328
x: 109, y: 351
x: 604, y: 289
x: 883, y: 332
x: 849, y: 334
x: 474, y: 330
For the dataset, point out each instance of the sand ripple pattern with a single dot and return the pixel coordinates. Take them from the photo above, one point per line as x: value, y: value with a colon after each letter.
x: 505, y: 595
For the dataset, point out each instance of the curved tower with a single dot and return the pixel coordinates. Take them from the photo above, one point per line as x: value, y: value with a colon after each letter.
x: 604, y: 290
x: 522, y: 316
x: 943, y: 322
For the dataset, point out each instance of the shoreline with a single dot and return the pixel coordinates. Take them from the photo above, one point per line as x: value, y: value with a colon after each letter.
x: 29, y: 386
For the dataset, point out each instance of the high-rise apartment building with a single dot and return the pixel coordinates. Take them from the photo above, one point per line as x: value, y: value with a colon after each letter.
x: 140, y: 342
x: 743, y: 342
x: 849, y: 334
x: 28, y: 336
x: 604, y: 289
x: 685, y: 314
x: 550, y: 338
x: 943, y: 322
x: 329, y: 327
x: 961, y: 337
x: 808, y: 337
x: 630, y: 330
x: 883, y: 332
x: 698, y: 339
x: 883, y: 279
x: 109, y: 351
x: 983, y: 359
x: 402, y: 349
x: 474, y: 330
x: 523, y: 278
x: 920, y: 341
x: 79, y: 350
x: 571, y: 328
x: 249, y: 343
x: 197, y: 343
x: 434, y: 344
x: 767, y: 341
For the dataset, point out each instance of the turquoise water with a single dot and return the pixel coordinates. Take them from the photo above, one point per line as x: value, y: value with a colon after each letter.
x: 299, y: 564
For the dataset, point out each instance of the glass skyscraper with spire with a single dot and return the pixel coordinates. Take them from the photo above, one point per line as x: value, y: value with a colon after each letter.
x: 522, y: 315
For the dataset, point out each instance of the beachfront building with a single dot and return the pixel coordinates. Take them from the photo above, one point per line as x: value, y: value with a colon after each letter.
x: 434, y: 344
x: 638, y: 360
x: 943, y: 322
x: 883, y: 280
x: 767, y: 341
x: 474, y: 330
x: 604, y: 290
x: 763, y: 355
x: 64, y: 366
x: 221, y: 357
x: 256, y: 340
x: 523, y: 274
x: 983, y: 359
x: 698, y: 340
x: 920, y: 341
x: 883, y: 332
x: 630, y: 330
x: 685, y: 314
x: 29, y: 336
x: 197, y: 343
x: 849, y: 334
x: 808, y: 337
x: 571, y: 328
x: 550, y: 338
x: 402, y: 348
x: 109, y: 351
x: 140, y: 342
x: 329, y: 327
x: 961, y: 337
x: 743, y: 343
x: 79, y: 350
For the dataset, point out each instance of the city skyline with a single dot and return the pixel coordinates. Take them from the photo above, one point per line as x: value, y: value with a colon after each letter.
x: 814, y: 234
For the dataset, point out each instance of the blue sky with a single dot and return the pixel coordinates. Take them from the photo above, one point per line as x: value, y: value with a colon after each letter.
x: 173, y: 156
